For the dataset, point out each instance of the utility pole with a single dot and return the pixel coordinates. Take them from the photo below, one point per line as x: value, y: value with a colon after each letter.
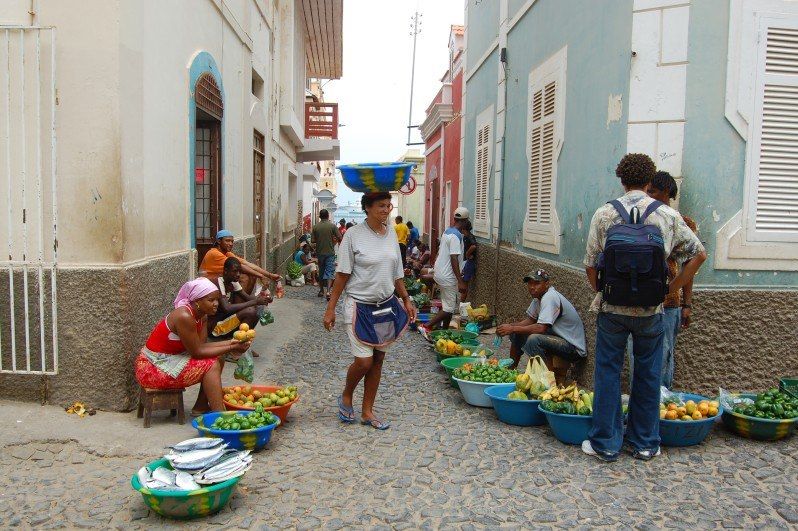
x: 415, y: 29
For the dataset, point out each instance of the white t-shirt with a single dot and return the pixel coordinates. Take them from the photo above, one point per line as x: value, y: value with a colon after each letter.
x: 450, y: 246
x: 372, y: 260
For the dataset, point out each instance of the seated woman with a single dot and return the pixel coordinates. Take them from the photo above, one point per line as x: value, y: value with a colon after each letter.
x: 423, y: 258
x: 310, y: 267
x: 236, y: 306
x: 176, y: 355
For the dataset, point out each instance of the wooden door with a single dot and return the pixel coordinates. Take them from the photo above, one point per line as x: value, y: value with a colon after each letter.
x: 258, y: 191
x: 207, y: 186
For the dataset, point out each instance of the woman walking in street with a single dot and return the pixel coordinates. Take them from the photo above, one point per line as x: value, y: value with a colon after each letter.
x: 369, y: 273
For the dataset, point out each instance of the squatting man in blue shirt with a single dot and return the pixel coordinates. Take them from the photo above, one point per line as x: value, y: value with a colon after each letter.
x: 552, y: 328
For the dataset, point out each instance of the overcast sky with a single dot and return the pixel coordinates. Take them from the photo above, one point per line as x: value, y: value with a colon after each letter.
x: 374, y: 92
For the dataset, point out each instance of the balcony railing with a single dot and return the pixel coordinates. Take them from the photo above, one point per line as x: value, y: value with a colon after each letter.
x: 321, y: 120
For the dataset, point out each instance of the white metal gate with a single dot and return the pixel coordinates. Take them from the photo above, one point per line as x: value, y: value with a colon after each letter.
x: 28, y: 318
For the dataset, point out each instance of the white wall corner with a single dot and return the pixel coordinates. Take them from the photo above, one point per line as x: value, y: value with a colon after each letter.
x: 732, y: 251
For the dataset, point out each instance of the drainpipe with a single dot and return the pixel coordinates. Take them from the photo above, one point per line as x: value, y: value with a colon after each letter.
x: 503, y: 59
x: 34, y: 12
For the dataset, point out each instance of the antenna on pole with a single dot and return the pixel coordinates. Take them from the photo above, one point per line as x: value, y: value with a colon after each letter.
x: 415, y: 29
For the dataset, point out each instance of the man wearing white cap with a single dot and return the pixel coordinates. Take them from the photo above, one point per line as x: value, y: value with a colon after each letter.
x: 448, y: 271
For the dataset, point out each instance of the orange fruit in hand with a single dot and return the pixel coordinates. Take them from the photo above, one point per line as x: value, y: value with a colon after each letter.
x: 244, y: 327
x: 250, y: 335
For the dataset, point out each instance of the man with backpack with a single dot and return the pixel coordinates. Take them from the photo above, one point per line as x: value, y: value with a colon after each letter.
x: 628, y: 244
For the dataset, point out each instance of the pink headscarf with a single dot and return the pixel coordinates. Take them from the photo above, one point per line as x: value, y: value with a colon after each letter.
x: 194, y: 290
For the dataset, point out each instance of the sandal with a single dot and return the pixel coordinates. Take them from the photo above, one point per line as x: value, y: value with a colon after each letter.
x: 345, y: 413
x: 375, y: 423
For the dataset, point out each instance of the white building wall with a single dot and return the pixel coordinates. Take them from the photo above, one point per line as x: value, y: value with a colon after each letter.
x: 122, y: 120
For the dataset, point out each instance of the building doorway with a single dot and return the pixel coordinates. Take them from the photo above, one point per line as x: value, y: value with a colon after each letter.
x: 208, y: 200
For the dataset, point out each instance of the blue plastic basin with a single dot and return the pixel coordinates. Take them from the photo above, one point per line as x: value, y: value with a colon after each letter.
x: 515, y: 412
x: 684, y: 432
x: 252, y: 439
x: 569, y: 429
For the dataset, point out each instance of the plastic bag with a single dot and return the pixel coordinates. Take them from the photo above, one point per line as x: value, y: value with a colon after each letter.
x: 729, y: 400
x: 540, y: 375
x: 669, y: 397
x: 245, y: 367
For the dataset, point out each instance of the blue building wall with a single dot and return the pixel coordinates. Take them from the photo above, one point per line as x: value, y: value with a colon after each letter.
x: 714, y: 153
x: 598, y: 36
x: 483, y: 28
x: 480, y: 94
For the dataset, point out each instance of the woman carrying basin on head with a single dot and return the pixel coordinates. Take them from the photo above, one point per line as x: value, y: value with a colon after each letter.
x: 177, y: 355
x: 369, y: 272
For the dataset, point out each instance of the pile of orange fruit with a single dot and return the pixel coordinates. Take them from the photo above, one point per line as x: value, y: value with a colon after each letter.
x: 689, y: 411
x: 244, y: 333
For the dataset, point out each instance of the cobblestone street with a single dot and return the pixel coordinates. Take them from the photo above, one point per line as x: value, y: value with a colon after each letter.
x: 442, y: 464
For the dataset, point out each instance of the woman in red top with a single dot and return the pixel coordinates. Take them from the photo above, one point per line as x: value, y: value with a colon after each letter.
x: 177, y: 355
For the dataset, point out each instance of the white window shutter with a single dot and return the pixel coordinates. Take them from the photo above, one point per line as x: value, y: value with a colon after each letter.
x: 545, y: 133
x: 776, y: 138
x: 541, y: 153
x: 482, y: 171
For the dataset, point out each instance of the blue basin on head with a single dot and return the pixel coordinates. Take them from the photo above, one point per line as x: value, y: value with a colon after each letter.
x: 376, y: 176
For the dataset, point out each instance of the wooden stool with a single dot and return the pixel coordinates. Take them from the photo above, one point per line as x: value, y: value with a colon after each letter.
x: 160, y: 399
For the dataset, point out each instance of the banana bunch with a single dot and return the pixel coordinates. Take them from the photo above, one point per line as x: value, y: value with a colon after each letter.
x: 582, y: 400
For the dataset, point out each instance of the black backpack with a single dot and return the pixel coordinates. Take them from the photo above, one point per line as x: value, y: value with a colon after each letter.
x: 632, y: 269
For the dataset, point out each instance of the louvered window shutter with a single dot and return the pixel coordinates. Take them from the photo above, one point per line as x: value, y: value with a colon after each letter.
x: 541, y: 152
x: 482, y: 170
x: 776, y: 186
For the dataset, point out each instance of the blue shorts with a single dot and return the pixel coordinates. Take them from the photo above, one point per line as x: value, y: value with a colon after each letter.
x: 327, y: 266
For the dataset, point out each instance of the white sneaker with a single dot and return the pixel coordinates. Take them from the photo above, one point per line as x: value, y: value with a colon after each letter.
x: 588, y: 449
x: 646, y: 455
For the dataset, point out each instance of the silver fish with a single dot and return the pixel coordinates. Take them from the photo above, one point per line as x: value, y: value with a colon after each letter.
x: 229, y: 467
x: 185, y: 481
x: 229, y: 475
x: 199, y: 464
x: 164, y: 475
x: 160, y: 485
x: 143, y: 475
x: 198, y: 443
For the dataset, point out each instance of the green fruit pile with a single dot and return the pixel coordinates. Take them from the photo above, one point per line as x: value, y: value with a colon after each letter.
x: 449, y: 335
x: 250, y: 421
x: 772, y: 404
x: 485, y: 373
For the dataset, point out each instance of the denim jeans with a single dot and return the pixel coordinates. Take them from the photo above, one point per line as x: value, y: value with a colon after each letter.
x: 545, y: 345
x: 672, y: 323
x: 606, y: 434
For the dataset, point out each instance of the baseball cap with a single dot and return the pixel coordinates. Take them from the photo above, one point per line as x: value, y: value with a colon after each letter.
x: 224, y: 233
x: 461, y: 213
x: 538, y: 275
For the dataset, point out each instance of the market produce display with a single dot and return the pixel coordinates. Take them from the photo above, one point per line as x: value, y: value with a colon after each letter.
x: 675, y: 409
x: 244, y: 333
x: 421, y: 300
x: 293, y: 270
x: 480, y: 313
x: 567, y: 400
x: 412, y: 284
x: 526, y: 389
x: 258, y: 419
x: 455, y: 336
x: 489, y: 372
x: 248, y: 397
x: 772, y: 404
x: 449, y: 347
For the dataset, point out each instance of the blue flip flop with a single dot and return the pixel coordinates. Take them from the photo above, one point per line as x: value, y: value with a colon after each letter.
x: 345, y: 413
x: 377, y: 424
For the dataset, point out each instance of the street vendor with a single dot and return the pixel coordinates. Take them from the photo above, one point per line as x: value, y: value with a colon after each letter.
x: 236, y: 306
x: 212, y: 265
x: 177, y: 354
x: 552, y: 328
